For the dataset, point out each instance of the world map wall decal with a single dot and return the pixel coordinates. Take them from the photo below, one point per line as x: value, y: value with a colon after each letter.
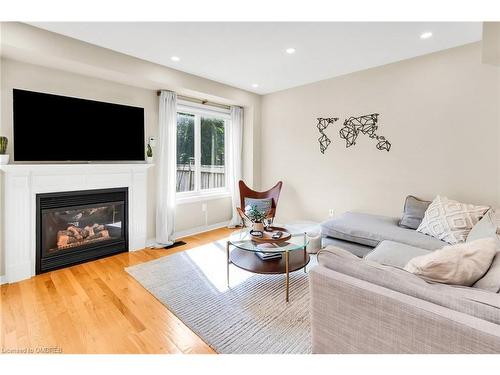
x: 323, y: 140
x: 352, y: 127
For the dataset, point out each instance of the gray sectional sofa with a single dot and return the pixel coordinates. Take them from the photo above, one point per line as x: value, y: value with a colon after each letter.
x: 363, y: 302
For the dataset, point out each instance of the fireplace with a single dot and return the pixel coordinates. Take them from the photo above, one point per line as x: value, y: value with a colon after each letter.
x: 78, y: 226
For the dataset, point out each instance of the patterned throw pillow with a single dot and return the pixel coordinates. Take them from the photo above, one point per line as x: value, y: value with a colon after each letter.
x: 449, y: 220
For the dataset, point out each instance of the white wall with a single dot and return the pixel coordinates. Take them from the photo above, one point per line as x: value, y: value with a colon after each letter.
x: 38, y: 60
x: 491, y: 52
x: 491, y: 43
x: 439, y: 111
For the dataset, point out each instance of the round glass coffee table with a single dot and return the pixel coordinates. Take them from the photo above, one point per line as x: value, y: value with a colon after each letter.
x: 243, y: 255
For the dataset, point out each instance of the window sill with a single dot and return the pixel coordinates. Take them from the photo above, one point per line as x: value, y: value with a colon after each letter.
x: 202, y: 197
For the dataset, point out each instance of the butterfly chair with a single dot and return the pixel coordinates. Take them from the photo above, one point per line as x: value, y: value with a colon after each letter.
x: 246, y: 192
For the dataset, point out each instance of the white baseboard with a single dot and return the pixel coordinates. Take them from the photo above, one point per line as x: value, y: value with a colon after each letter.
x: 201, y: 229
x: 192, y: 231
x: 3, y: 279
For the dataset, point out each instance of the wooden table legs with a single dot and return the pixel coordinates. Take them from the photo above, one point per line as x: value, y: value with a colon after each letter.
x: 287, y: 266
x: 305, y: 251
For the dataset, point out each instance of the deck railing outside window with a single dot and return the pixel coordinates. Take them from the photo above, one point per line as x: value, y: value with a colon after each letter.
x: 212, y: 177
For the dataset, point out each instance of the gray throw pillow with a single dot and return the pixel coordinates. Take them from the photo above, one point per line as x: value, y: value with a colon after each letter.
x: 487, y: 227
x: 264, y: 204
x: 414, y: 212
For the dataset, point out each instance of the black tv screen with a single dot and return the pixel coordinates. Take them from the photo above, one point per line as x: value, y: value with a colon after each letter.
x: 55, y: 128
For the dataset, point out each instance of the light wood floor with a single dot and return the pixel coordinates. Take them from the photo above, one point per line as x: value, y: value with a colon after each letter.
x: 96, y: 307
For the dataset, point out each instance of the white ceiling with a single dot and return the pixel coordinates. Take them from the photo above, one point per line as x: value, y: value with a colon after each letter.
x: 241, y: 54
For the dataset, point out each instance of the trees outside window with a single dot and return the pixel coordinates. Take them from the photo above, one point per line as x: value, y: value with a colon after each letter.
x: 201, y: 154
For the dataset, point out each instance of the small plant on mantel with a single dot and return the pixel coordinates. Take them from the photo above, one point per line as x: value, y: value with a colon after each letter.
x: 149, y: 153
x: 4, y: 157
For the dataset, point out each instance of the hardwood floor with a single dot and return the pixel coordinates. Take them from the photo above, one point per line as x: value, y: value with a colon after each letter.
x: 96, y: 307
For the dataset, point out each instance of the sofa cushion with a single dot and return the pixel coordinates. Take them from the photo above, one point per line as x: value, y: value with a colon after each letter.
x: 414, y: 212
x: 449, y: 220
x: 461, y: 264
x: 476, y: 302
x: 395, y: 254
x: 491, y: 280
x: 354, y: 248
x: 370, y: 230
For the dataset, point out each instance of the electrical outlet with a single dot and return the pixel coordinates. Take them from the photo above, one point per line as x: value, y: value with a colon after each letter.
x: 331, y: 212
x: 204, y: 207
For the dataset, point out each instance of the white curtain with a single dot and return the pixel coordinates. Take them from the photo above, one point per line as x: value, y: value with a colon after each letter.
x: 235, y: 160
x: 166, y: 169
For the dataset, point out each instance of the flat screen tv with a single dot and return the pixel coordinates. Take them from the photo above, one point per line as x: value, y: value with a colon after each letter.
x: 53, y: 128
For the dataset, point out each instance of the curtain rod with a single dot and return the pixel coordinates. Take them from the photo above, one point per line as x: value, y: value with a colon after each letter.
x: 199, y: 101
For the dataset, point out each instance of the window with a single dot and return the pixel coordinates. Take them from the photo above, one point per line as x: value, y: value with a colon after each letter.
x: 185, y: 152
x: 212, y: 153
x: 201, y: 152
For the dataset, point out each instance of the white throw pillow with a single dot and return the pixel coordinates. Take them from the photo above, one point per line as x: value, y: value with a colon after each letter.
x: 449, y: 220
x: 461, y: 264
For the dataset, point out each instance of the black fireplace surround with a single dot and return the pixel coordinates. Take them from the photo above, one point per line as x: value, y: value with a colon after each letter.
x: 77, y: 226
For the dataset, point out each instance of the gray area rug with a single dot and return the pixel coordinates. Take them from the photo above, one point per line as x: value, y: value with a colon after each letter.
x: 250, y: 317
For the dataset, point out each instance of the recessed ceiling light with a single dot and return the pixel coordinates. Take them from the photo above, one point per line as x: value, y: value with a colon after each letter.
x: 175, y: 58
x: 255, y: 85
x: 426, y: 35
x: 290, y: 50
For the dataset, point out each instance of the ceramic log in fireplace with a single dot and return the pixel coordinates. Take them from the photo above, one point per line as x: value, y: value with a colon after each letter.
x: 78, y: 226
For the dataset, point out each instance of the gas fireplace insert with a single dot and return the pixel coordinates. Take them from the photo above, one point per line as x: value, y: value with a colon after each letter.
x: 78, y: 226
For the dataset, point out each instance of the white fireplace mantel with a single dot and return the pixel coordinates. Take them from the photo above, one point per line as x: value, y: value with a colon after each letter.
x: 22, y: 182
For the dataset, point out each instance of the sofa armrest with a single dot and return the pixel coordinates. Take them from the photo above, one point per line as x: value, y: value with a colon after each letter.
x: 350, y: 315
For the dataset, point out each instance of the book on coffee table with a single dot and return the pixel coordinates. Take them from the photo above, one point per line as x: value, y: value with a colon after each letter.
x: 267, y: 247
x: 268, y: 256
